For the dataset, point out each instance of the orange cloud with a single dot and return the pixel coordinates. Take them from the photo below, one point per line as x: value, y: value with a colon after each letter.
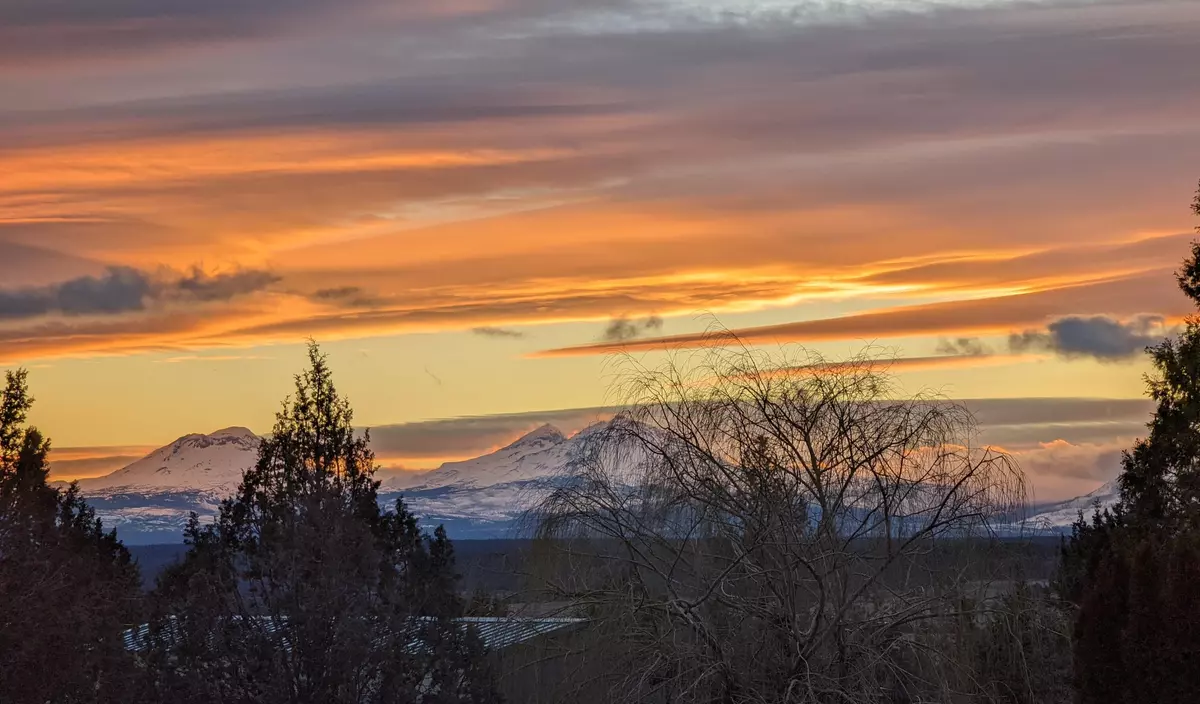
x: 164, y: 160
x: 477, y: 187
x: 409, y: 300
x: 993, y: 315
x: 899, y: 364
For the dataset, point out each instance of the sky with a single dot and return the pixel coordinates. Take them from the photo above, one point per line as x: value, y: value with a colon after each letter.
x: 473, y: 205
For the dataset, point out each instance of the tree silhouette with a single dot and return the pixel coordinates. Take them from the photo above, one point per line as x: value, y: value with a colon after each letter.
x: 767, y: 531
x: 304, y: 590
x: 68, y: 589
x: 1131, y: 573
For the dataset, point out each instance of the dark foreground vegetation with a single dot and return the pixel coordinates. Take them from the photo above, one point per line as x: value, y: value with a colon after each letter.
x: 751, y: 530
x: 303, y: 590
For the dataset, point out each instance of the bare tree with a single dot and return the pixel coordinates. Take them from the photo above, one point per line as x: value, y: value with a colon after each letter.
x: 756, y: 531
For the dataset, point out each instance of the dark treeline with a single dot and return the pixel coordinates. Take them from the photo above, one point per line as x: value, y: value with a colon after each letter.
x: 303, y: 590
x: 67, y: 588
x: 1132, y: 574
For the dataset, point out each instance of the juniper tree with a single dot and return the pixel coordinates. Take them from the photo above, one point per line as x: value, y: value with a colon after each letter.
x: 305, y: 590
x: 68, y: 589
x: 1130, y: 572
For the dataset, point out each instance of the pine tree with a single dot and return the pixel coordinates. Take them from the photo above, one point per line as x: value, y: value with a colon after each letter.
x: 1160, y: 478
x: 304, y: 590
x: 1132, y: 573
x: 68, y: 589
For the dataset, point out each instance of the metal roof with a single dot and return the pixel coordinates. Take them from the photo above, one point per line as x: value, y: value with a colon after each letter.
x: 496, y: 632
x: 502, y: 631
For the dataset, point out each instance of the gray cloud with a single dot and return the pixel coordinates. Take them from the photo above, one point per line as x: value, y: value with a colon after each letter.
x: 59, y: 29
x: 224, y: 286
x: 1025, y: 421
x: 29, y: 14
x: 122, y: 289
x: 79, y: 28
x: 119, y: 290
x: 385, y: 103
x: 963, y: 347
x: 1028, y: 412
x: 622, y: 329
x: 491, y: 331
x: 1098, y: 336
x: 338, y: 293
x: 973, y: 74
x: 346, y: 297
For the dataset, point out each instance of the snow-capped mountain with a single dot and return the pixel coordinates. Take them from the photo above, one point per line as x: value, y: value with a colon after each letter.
x: 1059, y: 517
x: 535, y: 456
x: 212, y: 462
x: 484, y: 497
x: 151, y: 499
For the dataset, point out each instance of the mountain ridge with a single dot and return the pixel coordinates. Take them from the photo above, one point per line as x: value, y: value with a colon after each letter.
x: 1059, y: 516
x: 151, y: 499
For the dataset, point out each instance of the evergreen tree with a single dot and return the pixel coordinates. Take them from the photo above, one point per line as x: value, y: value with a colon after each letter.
x: 68, y: 589
x: 1160, y: 481
x: 304, y: 590
x: 1132, y: 573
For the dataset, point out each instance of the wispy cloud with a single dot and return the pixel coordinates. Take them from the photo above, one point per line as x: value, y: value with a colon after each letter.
x: 492, y: 331
x: 963, y: 347
x: 623, y: 329
x: 900, y: 364
x: 660, y: 173
x: 212, y: 358
x: 985, y: 315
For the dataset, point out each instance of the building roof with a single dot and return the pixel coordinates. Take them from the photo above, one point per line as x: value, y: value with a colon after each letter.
x: 502, y: 631
x: 496, y: 632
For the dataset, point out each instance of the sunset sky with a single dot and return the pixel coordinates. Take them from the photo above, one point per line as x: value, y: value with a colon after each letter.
x: 471, y: 204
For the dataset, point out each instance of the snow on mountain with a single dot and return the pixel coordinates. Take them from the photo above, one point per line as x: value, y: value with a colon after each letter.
x: 1060, y: 516
x: 151, y: 499
x: 538, y: 455
x: 211, y: 463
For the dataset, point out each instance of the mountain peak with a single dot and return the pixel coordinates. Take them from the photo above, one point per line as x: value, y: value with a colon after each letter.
x: 212, y: 462
x: 542, y: 434
x: 231, y: 435
x: 233, y: 431
x: 535, y: 455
